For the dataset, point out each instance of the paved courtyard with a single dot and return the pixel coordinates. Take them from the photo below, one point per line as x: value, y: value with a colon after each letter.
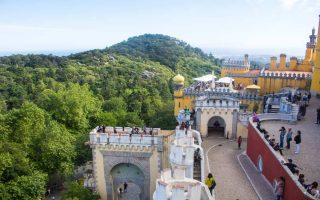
x: 232, y: 182
x: 309, y: 158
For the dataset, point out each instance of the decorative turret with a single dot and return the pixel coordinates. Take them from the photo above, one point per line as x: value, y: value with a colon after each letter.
x: 273, y: 63
x: 293, y: 62
x: 246, y: 59
x: 312, y: 42
x: 178, y: 81
x: 283, y: 61
x: 315, y: 85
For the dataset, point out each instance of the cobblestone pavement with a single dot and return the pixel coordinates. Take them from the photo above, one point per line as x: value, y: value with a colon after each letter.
x: 232, y: 183
x: 308, y: 159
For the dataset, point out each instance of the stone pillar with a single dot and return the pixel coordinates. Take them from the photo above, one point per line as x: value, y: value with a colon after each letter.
x: 234, y: 124
x: 198, y: 119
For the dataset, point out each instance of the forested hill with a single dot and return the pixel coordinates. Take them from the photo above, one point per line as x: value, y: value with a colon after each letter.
x: 179, y: 56
x: 48, y: 104
x: 159, y: 48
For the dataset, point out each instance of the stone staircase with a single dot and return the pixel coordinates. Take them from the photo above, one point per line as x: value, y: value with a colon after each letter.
x: 274, y: 109
x: 197, y: 171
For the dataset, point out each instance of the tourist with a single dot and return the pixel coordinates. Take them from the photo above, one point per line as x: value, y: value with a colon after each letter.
x: 282, y: 134
x: 279, y: 188
x: 309, y: 97
x: 312, y: 189
x: 301, y: 179
x: 305, y: 98
x: 119, y: 192
x: 318, y: 116
x: 210, y: 182
x: 291, y: 166
x: 125, y: 186
x: 297, y: 139
x: 289, y: 138
x: 239, y: 142
x: 277, y: 147
x: 255, y: 117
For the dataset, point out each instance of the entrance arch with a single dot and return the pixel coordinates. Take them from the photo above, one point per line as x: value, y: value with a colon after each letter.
x: 133, y: 176
x: 216, y: 126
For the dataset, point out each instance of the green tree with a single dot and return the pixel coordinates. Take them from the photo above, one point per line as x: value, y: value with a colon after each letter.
x: 26, y: 187
x: 57, y: 149
x: 77, y: 191
x: 73, y: 106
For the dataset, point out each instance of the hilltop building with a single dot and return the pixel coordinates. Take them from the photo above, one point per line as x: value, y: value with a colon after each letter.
x: 303, y: 74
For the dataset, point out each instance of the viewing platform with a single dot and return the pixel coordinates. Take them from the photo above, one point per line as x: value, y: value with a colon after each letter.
x: 125, y: 136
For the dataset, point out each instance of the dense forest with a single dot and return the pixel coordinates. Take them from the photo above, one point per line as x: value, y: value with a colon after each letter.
x: 49, y: 104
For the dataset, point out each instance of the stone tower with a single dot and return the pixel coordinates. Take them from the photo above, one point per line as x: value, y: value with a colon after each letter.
x: 120, y: 156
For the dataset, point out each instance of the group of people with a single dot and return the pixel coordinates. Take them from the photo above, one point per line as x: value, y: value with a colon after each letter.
x: 284, y: 136
x: 311, y: 188
x: 124, y: 190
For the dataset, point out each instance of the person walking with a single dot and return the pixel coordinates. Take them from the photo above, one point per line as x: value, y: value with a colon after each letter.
x: 239, y: 141
x: 210, y: 182
x: 282, y: 134
x: 318, y: 116
x: 297, y: 139
x: 279, y: 188
x: 289, y: 138
x: 125, y: 186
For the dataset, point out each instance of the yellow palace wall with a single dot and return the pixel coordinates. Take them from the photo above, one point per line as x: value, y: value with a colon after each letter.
x: 182, y: 102
x: 273, y: 84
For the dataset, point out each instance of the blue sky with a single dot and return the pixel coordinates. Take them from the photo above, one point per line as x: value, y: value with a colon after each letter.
x: 254, y: 26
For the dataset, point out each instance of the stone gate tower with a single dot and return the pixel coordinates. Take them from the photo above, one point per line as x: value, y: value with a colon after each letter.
x: 120, y: 156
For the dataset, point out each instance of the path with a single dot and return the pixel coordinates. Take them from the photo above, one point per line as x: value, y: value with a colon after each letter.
x: 232, y: 183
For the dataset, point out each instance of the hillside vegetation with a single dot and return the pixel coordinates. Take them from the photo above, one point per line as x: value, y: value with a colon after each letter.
x: 49, y: 104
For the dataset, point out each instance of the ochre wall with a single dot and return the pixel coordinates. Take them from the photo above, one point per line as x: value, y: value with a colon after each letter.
x: 315, y: 86
x: 272, y: 84
x: 225, y: 70
x: 242, y: 130
x: 99, y: 175
x: 244, y: 80
x: 185, y: 101
x: 272, y: 167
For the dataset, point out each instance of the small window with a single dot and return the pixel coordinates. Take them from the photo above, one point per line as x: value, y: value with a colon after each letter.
x: 179, y: 104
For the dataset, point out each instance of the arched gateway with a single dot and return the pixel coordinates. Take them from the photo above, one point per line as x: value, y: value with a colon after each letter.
x: 133, y: 176
x: 217, y: 115
x: 216, y: 126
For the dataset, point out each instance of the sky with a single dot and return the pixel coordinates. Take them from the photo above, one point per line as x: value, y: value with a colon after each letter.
x: 239, y: 26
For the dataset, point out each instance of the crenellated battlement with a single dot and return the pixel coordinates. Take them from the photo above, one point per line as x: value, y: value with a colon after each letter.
x: 287, y: 75
x: 222, y: 92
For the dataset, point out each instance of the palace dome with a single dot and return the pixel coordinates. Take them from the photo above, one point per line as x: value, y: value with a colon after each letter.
x: 178, y: 79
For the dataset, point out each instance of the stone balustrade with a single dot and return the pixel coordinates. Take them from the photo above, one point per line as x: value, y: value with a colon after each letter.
x: 221, y: 92
x: 123, y: 138
x: 277, y: 116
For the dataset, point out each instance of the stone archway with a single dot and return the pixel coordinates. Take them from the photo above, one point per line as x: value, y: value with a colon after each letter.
x: 138, y: 159
x: 216, y: 126
x: 133, y: 176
